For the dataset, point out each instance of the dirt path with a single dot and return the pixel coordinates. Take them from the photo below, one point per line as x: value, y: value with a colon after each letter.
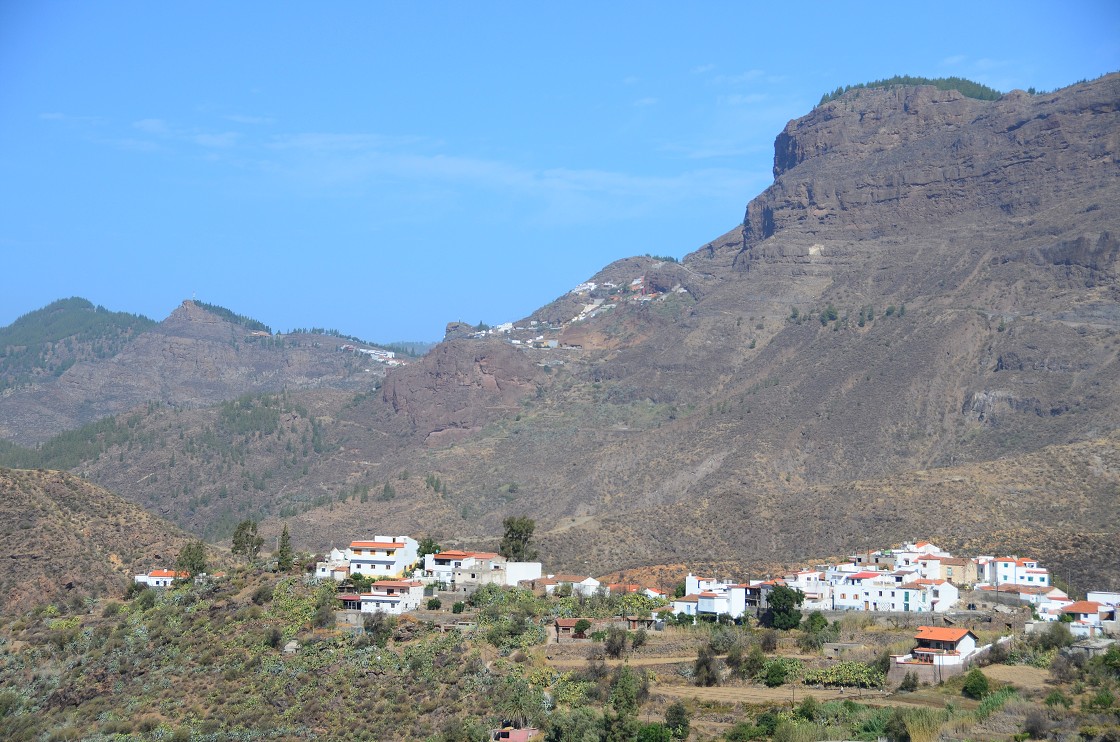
x: 792, y: 695
x: 635, y: 662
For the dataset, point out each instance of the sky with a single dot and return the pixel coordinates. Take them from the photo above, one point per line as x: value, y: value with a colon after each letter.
x: 385, y: 168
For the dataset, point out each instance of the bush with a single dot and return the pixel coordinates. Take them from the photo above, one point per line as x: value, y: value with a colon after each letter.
x: 434, y: 604
x: 677, y: 719
x: 909, y: 683
x: 639, y: 639
x: 458, y: 607
x: 1057, y: 698
x: 975, y: 684
x: 769, y: 641
x: 1036, y: 724
x: 324, y: 616
x: 146, y: 599
x: 615, y: 643
x: 262, y: 595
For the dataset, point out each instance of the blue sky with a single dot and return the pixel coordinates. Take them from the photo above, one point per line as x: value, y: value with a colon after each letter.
x: 384, y: 168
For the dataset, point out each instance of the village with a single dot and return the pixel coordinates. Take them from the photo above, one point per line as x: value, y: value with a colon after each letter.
x: 390, y: 575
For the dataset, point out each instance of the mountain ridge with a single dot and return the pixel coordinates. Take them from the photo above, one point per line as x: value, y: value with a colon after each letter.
x: 928, y: 285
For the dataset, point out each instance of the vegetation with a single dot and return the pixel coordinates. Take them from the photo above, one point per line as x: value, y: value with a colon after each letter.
x: 515, y: 544
x: 246, y: 541
x: 284, y: 557
x: 192, y: 558
x: 47, y: 341
x: 781, y: 611
x: 975, y: 684
x: 238, y: 319
x: 967, y: 88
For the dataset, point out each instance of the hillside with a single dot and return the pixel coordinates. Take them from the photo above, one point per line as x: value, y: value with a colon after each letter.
x: 195, y: 357
x: 63, y: 539
x: 931, y: 282
x: 43, y: 344
x: 914, y: 327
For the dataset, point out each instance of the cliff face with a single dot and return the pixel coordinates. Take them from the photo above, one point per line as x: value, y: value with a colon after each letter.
x: 884, y: 159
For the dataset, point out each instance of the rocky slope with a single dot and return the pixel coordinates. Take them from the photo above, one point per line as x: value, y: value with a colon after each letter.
x: 192, y: 358
x: 62, y: 538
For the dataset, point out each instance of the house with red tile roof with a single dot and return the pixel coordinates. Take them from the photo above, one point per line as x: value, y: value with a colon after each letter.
x: 161, y: 577
x: 386, y: 596
x: 381, y: 556
x: 941, y: 646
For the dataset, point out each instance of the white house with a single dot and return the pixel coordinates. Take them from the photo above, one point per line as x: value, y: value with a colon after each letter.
x: 1013, y: 571
x: 336, y: 566
x: 1107, y: 598
x: 585, y: 585
x: 387, y: 596
x: 940, y: 646
x: 442, y: 567
x: 686, y: 605
x: 161, y: 577
x: 384, y: 556
x: 491, y: 569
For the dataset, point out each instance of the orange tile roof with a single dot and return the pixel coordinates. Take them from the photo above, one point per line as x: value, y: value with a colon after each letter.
x: 710, y: 595
x: 687, y: 599
x: 865, y: 575
x: 1083, y: 606
x: 941, y: 634
x: 168, y: 573
x: 396, y: 583
x: 388, y: 545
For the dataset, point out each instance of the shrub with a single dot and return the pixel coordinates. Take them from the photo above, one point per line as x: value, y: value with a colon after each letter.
x: 677, y: 719
x: 581, y: 627
x: 706, y: 668
x: 615, y: 643
x: 975, y: 684
x: 1036, y: 724
x: 145, y: 600
x: 434, y: 604
x: 458, y: 607
x: 769, y: 641
x: 262, y: 595
x: 639, y: 639
x: 909, y: 683
x: 1057, y: 698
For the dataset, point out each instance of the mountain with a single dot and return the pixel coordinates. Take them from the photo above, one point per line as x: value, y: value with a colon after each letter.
x: 912, y: 332
x: 930, y: 283
x: 65, y: 539
x: 43, y: 344
x: 200, y: 355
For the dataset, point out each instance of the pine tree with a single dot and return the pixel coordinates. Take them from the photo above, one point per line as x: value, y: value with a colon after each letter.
x: 284, y: 558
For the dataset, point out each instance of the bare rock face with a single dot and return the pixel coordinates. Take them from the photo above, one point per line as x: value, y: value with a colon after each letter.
x: 876, y: 160
x: 457, y: 388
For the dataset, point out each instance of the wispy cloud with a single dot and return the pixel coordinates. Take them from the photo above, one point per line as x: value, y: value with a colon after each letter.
x: 152, y: 126
x: 700, y: 69
x: 339, y: 142
x: 239, y: 118
x: 738, y: 79
x: 643, y: 102
x: 71, y: 119
x: 742, y: 99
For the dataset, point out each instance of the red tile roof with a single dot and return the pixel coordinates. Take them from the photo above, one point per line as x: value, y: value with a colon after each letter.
x: 387, y: 545
x: 169, y: 573
x: 1084, y: 606
x: 942, y: 634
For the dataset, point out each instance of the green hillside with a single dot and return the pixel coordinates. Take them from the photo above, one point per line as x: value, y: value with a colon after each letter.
x: 48, y: 341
